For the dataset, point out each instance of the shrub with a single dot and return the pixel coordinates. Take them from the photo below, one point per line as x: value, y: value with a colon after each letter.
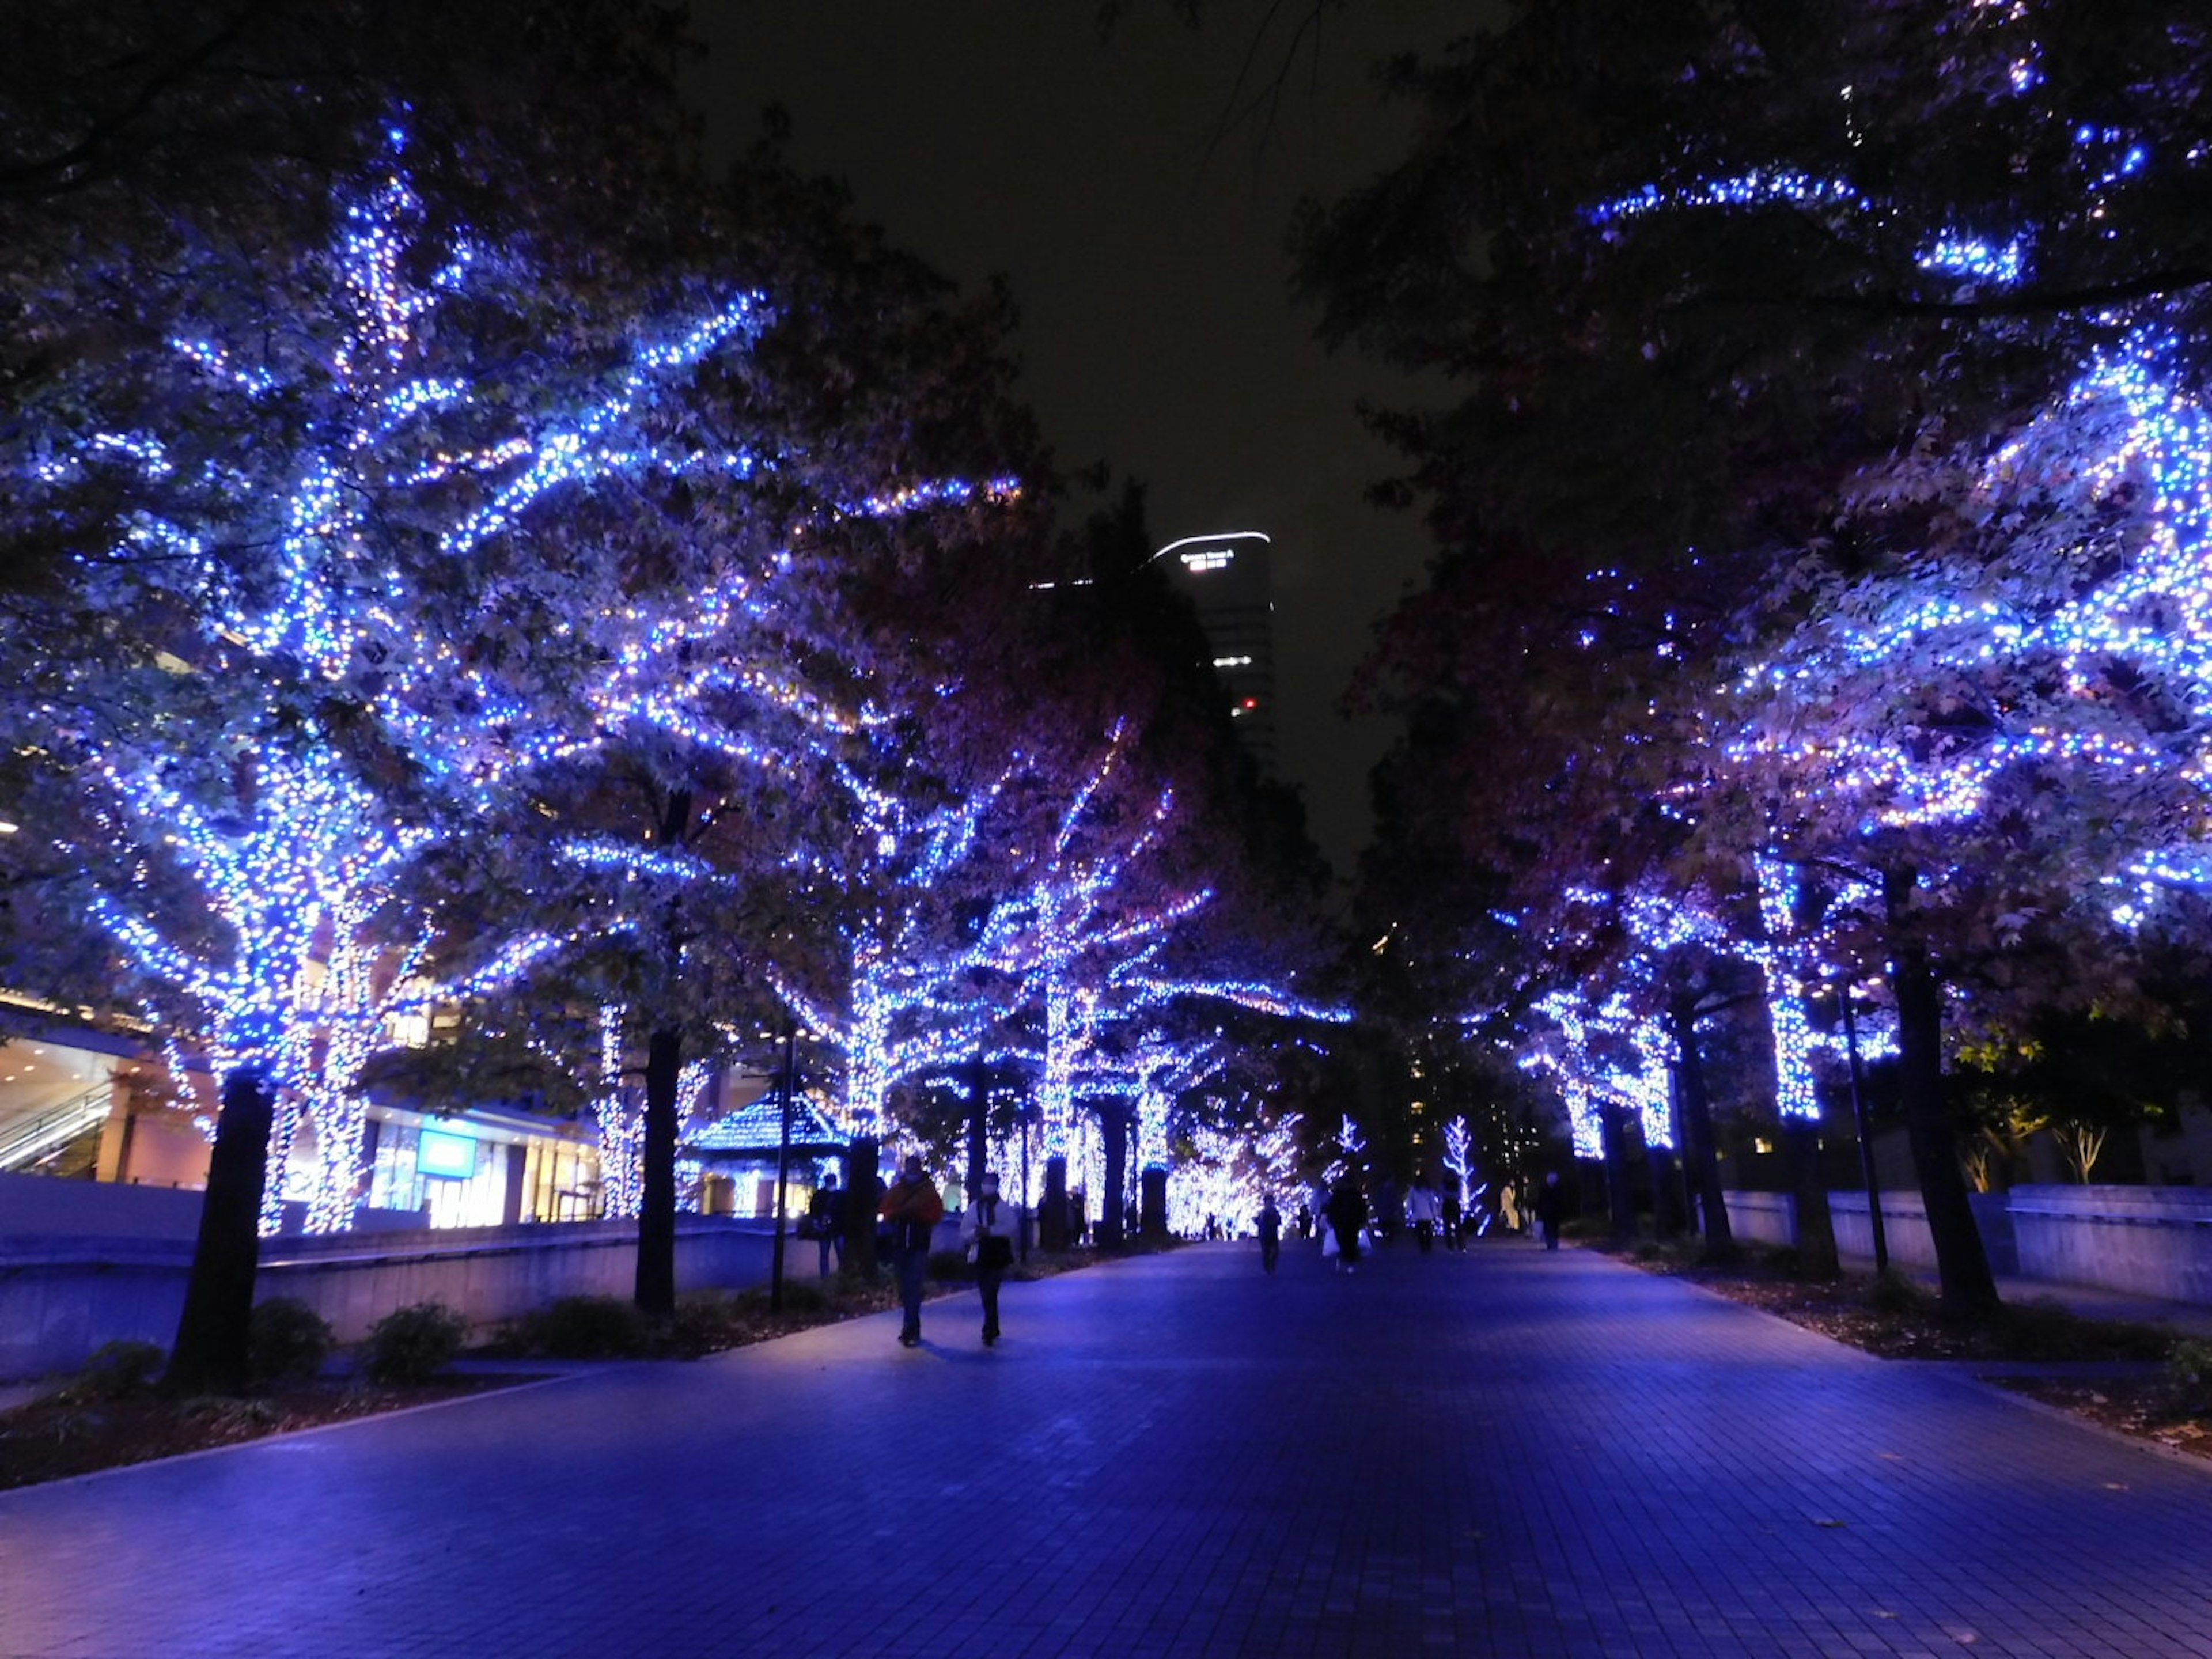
x: 227, y: 1416
x: 2041, y: 1329
x: 2189, y: 1376
x: 586, y: 1328
x: 1784, y: 1261
x: 413, y: 1344
x: 1893, y: 1292
x: 115, y: 1369
x: 288, y: 1341
x: 950, y: 1264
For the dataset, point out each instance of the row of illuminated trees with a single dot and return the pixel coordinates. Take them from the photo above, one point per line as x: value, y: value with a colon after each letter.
x: 435, y: 622
x: 1821, y: 610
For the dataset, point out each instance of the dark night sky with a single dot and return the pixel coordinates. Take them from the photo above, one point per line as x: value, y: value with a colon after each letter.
x: 1158, y: 329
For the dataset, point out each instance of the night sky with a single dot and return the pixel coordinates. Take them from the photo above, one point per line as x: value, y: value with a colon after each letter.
x: 1157, y: 329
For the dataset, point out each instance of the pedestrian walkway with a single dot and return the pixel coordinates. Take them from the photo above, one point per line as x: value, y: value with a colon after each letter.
x: 1506, y: 1453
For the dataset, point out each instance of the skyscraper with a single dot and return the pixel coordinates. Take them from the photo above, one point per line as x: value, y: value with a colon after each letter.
x: 1225, y: 574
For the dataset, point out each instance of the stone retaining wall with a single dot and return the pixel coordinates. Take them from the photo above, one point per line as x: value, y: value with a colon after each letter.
x: 60, y: 1298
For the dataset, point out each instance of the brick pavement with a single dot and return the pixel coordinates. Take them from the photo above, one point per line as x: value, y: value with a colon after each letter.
x: 1504, y: 1454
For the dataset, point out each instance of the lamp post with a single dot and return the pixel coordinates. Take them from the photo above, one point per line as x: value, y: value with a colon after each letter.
x: 1866, y: 1136
x: 783, y: 1159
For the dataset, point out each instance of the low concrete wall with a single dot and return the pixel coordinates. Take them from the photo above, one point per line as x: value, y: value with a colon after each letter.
x: 1769, y: 1218
x: 60, y: 1298
x: 41, y: 1206
x: 2152, y: 1241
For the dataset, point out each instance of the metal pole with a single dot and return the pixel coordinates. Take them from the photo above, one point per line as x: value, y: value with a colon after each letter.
x: 783, y: 1160
x: 1866, y: 1138
x: 1028, y: 1222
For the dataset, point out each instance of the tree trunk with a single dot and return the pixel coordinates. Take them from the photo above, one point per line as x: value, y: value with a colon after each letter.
x: 979, y: 1125
x: 1154, y: 1214
x: 863, y: 1192
x: 1114, y: 1119
x: 1666, y: 1218
x: 210, y: 1354
x: 1620, y: 1190
x: 1052, y: 1208
x: 1816, y: 1226
x: 656, y: 1210
x: 1962, y: 1266
x: 1704, y: 1169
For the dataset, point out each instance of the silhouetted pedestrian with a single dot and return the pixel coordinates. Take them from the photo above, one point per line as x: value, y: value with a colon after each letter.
x: 1347, y: 1214
x: 825, y: 1218
x: 1550, y: 1209
x: 990, y: 1227
x: 1271, y: 1233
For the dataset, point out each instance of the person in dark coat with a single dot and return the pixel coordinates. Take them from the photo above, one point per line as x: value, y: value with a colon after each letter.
x: 1550, y: 1209
x: 913, y: 1208
x: 825, y: 1219
x: 1347, y: 1214
x: 1271, y: 1232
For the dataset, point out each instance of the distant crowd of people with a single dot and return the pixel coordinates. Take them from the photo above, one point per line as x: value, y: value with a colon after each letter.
x: 910, y: 1208
x: 1349, y: 1226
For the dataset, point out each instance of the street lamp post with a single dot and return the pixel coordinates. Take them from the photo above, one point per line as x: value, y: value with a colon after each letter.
x: 1866, y: 1136
x: 783, y: 1159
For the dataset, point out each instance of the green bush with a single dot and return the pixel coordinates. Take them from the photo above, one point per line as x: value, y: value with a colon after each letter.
x: 705, y: 1321
x: 586, y: 1328
x: 288, y: 1341
x: 950, y: 1264
x: 116, y: 1370
x: 2189, y: 1376
x: 1894, y: 1292
x: 413, y: 1344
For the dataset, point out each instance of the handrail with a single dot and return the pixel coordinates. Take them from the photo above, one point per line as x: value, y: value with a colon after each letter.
x: 58, y: 1126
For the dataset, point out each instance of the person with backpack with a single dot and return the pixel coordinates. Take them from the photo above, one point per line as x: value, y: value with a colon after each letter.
x: 913, y: 1208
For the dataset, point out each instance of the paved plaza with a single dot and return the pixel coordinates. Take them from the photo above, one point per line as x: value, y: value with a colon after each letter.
x: 1505, y: 1454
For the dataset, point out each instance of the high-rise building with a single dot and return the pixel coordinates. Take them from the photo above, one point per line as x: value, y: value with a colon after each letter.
x: 1225, y: 574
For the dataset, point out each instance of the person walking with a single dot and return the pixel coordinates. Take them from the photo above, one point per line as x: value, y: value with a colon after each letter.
x: 1347, y: 1214
x: 990, y: 1227
x: 913, y: 1209
x: 1551, y: 1207
x: 825, y: 1218
x: 1271, y: 1232
x: 1423, y: 1210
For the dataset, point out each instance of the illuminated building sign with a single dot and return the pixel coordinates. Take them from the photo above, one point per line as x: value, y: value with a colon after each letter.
x: 438, y: 1153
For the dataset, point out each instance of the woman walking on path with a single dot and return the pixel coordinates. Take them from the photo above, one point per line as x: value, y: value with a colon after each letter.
x: 989, y: 1229
x: 1347, y: 1214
